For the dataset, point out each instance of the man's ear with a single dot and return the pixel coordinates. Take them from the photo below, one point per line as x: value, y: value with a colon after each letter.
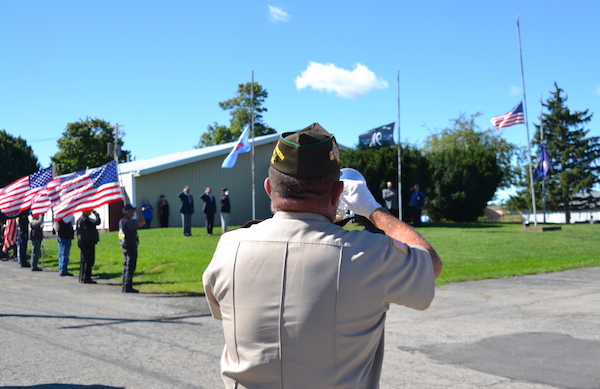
x: 337, y: 191
x: 267, y: 186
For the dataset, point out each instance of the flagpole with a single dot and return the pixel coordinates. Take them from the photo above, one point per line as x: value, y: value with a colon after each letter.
x: 527, y: 126
x: 399, y: 153
x: 543, y: 161
x: 252, y: 132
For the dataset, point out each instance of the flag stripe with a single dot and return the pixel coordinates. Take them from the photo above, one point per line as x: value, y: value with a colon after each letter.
x: 87, y: 190
x: 18, y: 196
x: 10, y: 234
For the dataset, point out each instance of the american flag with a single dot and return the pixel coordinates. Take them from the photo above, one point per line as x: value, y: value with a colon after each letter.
x: 85, y: 190
x: 10, y: 234
x: 17, y: 197
x: 515, y: 116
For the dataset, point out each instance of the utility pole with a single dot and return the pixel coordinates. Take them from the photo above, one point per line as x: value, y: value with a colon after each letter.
x: 117, y: 146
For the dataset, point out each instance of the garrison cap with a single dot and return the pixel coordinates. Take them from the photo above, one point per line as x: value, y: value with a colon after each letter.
x: 128, y: 208
x: 310, y: 152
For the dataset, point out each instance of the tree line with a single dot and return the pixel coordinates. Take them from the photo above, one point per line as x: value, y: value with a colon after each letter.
x: 459, y: 168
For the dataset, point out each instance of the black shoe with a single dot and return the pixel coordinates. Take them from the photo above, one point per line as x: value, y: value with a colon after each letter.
x: 131, y: 290
x: 36, y: 269
x: 90, y: 281
x: 25, y: 264
x: 66, y: 274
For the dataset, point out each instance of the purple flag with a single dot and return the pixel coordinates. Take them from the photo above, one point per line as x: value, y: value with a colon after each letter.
x: 541, y: 168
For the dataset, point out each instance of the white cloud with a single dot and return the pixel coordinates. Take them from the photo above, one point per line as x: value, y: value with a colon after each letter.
x: 348, y: 84
x: 277, y: 15
x: 515, y: 91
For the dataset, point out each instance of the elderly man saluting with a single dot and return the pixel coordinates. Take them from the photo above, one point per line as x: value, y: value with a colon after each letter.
x: 302, y: 300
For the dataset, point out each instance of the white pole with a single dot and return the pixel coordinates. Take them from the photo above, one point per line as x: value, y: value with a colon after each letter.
x: 527, y: 127
x: 399, y: 153
x: 252, y: 132
x: 542, y: 145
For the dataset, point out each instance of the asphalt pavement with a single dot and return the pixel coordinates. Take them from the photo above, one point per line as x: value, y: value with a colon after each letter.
x: 540, y: 331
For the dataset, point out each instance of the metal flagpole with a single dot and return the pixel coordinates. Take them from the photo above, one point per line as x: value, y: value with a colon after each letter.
x: 527, y: 127
x: 399, y: 153
x: 542, y: 145
x: 252, y: 132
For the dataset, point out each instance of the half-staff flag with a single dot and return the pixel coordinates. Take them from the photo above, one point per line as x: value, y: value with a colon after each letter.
x: 241, y: 146
x: 17, y: 197
x: 512, y: 117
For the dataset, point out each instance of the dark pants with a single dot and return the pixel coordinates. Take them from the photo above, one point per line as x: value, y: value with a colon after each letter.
x: 415, y: 214
x: 164, y: 221
x: 186, y: 222
x: 22, y: 239
x: 210, y: 222
x: 130, y: 255
x: 87, y: 260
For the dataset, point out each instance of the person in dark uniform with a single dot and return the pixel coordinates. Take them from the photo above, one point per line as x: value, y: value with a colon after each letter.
x: 163, y: 212
x: 36, y: 236
x: 187, y: 210
x: 87, y: 237
x: 209, y: 209
x: 417, y: 202
x: 128, y: 238
x: 22, y: 238
x: 225, y: 209
x: 64, y: 229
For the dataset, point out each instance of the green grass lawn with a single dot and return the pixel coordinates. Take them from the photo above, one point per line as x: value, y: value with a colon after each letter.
x: 171, y: 263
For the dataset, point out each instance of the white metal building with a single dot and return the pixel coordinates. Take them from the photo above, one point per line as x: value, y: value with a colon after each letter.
x: 199, y: 168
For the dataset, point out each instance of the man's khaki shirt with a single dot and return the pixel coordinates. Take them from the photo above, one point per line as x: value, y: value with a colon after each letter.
x: 303, y: 301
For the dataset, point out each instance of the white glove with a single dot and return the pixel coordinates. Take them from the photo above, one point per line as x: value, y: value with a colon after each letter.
x: 358, y: 198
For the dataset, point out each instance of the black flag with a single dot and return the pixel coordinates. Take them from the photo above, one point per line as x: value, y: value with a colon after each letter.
x: 377, y: 137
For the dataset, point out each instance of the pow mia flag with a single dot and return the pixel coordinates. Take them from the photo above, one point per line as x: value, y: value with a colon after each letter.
x: 377, y: 137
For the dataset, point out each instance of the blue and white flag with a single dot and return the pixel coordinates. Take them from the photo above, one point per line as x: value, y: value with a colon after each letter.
x: 541, y: 168
x: 241, y: 146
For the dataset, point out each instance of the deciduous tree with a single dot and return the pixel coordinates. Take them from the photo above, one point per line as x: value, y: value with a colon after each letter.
x: 16, y: 158
x: 240, y: 110
x: 84, y: 145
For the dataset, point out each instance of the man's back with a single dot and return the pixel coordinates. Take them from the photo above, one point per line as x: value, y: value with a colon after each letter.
x: 303, y: 301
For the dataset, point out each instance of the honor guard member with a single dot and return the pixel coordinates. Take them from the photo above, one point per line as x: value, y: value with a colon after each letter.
x: 302, y: 300
x: 128, y: 238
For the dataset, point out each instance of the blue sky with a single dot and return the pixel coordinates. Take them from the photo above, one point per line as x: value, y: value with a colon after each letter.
x: 160, y: 68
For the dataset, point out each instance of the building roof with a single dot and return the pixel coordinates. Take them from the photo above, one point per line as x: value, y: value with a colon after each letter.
x: 169, y: 161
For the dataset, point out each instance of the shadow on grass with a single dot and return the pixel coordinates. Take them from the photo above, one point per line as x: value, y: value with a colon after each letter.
x: 464, y: 225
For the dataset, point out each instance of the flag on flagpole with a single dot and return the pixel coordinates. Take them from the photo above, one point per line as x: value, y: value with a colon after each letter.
x: 515, y: 116
x: 10, y: 234
x: 17, y: 197
x: 541, y: 168
x: 241, y: 146
x: 86, y: 190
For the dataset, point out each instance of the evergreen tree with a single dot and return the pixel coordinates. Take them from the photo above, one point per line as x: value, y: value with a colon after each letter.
x: 574, y: 155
